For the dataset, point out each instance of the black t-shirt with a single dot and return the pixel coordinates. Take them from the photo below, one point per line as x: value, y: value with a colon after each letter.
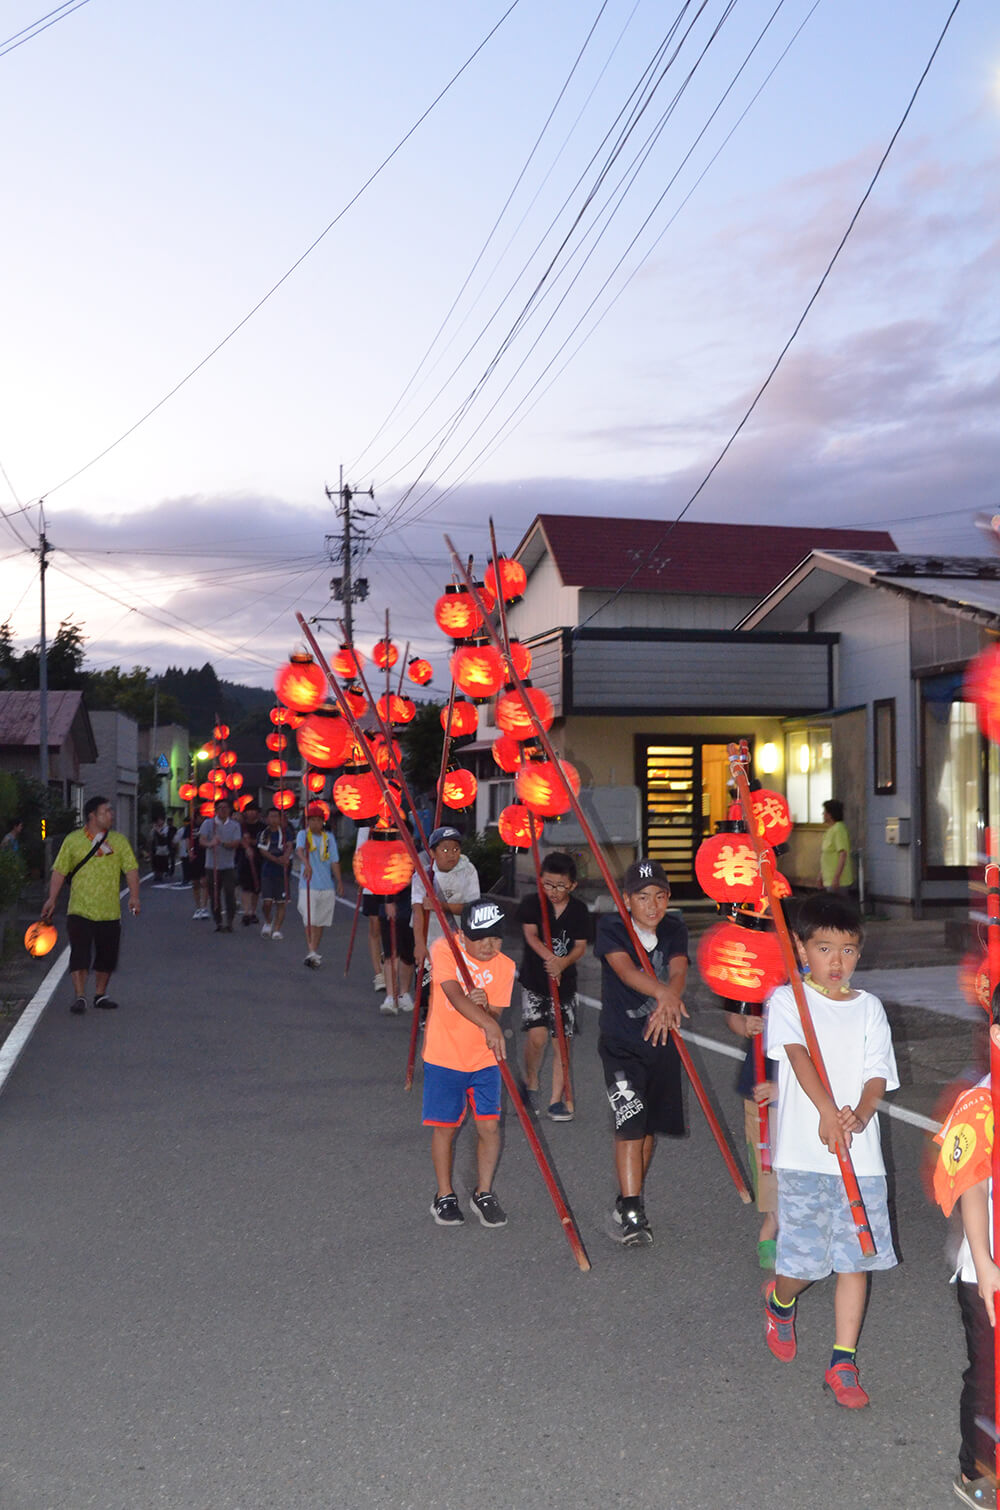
x: 624, y: 1011
x: 573, y: 924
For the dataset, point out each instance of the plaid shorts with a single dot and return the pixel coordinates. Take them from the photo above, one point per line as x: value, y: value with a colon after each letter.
x: 536, y: 1012
x: 816, y: 1232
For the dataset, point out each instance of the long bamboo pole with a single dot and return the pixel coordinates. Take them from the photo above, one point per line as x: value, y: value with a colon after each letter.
x: 738, y: 759
x: 562, y: 1210
x: 992, y: 878
x: 640, y: 954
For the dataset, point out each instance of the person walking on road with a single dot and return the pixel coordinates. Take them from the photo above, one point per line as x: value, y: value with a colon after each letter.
x: 275, y: 850
x: 93, y: 861
x: 220, y: 837
x: 320, y: 881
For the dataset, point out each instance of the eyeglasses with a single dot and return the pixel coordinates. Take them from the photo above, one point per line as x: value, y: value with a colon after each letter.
x: 555, y: 886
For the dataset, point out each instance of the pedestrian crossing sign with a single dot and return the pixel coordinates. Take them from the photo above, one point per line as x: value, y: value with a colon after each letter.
x: 162, y: 763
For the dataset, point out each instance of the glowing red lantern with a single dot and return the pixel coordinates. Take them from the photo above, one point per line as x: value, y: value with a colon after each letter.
x: 395, y: 709
x: 300, y: 684
x: 347, y: 662
x: 539, y: 787
x: 40, y: 939
x: 207, y: 809
x: 356, y: 701
x: 243, y: 802
x: 507, y: 753
x: 221, y: 731
x: 386, y: 755
x: 228, y: 759
x: 383, y: 865
x: 234, y: 781
x: 385, y: 815
x: 741, y: 964
x: 356, y: 793
x: 385, y: 655
x: 513, y: 579
x: 217, y: 776
x: 187, y: 791
x: 209, y: 749
x: 284, y: 798
x: 458, y: 789
x: 280, y: 716
x: 974, y: 980
x: 315, y: 781
x: 478, y: 671
x: 520, y: 658
x: 774, y: 820
x: 456, y: 614
x: 277, y: 768
x: 206, y: 791
x: 323, y: 738
x: 464, y: 718
x: 727, y: 869
x: 512, y: 715
x: 420, y: 671
x: 516, y: 824
x: 276, y: 742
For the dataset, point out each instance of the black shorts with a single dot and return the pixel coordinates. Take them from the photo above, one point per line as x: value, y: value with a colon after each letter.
x: 93, y: 941
x: 404, y: 941
x: 644, y: 1089
x: 193, y: 868
x: 370, y: 905
x: 536, y: 1012
x: 247, y: 873
x: 273, y: 883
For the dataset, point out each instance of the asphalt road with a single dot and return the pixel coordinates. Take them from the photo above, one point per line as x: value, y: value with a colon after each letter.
x: 222, y: 1289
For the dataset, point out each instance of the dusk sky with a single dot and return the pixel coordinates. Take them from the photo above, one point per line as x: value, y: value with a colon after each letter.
x: 561, y: 293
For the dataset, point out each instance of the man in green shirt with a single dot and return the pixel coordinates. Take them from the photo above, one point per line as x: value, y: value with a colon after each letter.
x: 93, y: 859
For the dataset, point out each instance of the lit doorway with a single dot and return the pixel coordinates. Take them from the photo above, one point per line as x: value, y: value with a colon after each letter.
x: 683, y: 781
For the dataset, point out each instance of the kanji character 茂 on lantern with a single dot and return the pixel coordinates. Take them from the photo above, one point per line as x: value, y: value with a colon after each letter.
x: 513, y: 579
x: 774, y: 819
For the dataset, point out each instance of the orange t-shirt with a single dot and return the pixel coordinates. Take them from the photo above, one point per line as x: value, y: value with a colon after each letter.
x: 451, y: 1040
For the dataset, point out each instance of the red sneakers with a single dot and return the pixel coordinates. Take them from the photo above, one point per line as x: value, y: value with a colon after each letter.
x: 779, y: 1335
x: 842, y: 1382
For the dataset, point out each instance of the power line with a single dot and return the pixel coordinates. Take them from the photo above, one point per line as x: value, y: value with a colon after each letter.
x: 36, y: 28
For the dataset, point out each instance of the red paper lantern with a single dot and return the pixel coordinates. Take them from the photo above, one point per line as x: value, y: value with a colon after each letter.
x: 478, y: 671
x: 209, y: 749
x: 277, y: 768
x: 356, y: 793
x: 206, y: 791
x: 243, y: 802
x: 456, y: 614
x: 228, y: 759
x: 356, y: 700
x: 741, y: 964
x: 982, y: 686
x: 383, y: 865
x: 458, y: 789
x: 395, y: 709
x: 234, y: 781
x: 207, y: 809
x: 386, y: 755
x: 512, y: 715
x: 513, y: 579
x: 464, y: 718
x: 347, y: 662
x: 385, y: 655
x: 217, y: 776
x: 539, y: 787
x: 420, y: 671
x: 520, y: 658
x: 221, y: 731
x: 187, y: 791
x: 774, y: 820
x: 276, y: 742
x: 315, y: 781
x: 300, y: 684
x: 507, y: 753
x: 280, y: 716
x: 284, y: 798
x: 516, y: 824
x: 323, y: 738
x: 974, y: 980
x: 385, y: 814
x: 40, y: 939
x: 727, y: 869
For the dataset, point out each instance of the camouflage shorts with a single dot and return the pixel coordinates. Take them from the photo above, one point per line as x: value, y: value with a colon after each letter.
x: 536, y: 1012
x: 816, y: 1232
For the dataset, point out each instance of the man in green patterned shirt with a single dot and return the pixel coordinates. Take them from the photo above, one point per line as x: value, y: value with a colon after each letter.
x: 93, y: 859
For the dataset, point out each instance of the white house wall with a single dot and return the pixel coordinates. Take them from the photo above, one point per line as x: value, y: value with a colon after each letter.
x: 649, y: 610
x: 546, y: 604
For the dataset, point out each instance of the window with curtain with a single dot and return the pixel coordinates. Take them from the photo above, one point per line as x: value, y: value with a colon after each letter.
x: 952, y: 773
x: 808, y: 772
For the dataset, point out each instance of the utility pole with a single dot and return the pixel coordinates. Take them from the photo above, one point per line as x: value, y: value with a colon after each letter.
x: 44, y: 548
x: 346, y: 588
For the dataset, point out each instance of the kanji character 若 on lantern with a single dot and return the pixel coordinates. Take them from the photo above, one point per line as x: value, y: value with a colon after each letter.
x: 520, y: 658
x: 478, y: 671
x: 456, y: 614
x: 357, y: 794
x: 276, y: 742
x: 741, y: 964
x: 512, y: 715
x: 513, y: 579
x: 347, y: 662
x: 458, y: 789
x: 383, y: 865
x: 420, y: 671
x: 300, y: 684
x: 464, y: 719
x: 323, y: 738
x: 507, y: 753
x: 40, y: 939
x: 727, y: 869
x: 540, y: 788
x: 774, y: 819
x: 515, y: 826
x: 385, y: 655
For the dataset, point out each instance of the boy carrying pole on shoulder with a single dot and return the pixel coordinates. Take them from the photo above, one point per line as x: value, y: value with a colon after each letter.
x: 569, y: 929
x: 816, y: 1231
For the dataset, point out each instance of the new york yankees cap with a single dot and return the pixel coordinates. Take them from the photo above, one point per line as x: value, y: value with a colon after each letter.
x: 483, y: 919
x: 643, y: 873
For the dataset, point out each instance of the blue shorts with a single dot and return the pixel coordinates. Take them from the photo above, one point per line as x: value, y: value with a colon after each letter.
x: 448, y: 1093
x: 816, y: 1232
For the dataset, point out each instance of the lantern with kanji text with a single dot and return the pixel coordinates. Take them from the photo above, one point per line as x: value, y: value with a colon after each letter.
x: 464, y: 719
x: 315, y: 781
x: 347, y: 662
x: 456, y: 614
x: 395, y: 709
x: 323, y: 737
x: 387, y: 755
x: 382, y: 864
x: 519, y: 657
x: 458, y: 789
x: 420, y: 671
x: 513, y: 579
x: 740, y: 963
x: 539, y: 787
x: 516, y: 824
x: 771, y: 811
x: 217, y: 776
x: 300, y: 684
x: 385, y: 655
x: 357, y: 793
x: 512, y: 714
x: 727, y: 869
x: 276, y: 742
x: 478, y: 671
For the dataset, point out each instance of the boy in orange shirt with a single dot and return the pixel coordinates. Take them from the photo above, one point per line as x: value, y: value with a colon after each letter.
x: 462, y: 1044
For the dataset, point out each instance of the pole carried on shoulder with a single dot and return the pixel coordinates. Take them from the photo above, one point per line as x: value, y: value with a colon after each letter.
x: 992, y: 879
x: 641, y: 956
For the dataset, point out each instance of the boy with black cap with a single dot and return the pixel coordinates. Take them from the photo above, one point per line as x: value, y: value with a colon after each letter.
x: 462, y: 1044
x: 642, y: 1068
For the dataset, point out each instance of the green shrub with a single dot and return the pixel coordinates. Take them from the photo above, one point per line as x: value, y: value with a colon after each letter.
x: 486, y: 851
x: 12, y: 877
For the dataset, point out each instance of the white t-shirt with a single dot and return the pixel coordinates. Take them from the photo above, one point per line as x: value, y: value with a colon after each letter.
x: 460, y: 884
x: 856, y: 1046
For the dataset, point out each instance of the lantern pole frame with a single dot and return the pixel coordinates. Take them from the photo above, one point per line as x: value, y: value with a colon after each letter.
x: 992, y: 879
x: 641, y: 956
x: 739, y: 758
x: 562, y: 1210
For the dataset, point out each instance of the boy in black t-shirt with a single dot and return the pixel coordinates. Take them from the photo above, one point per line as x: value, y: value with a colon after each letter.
x: 569, y: 926
x: 642, y: 1067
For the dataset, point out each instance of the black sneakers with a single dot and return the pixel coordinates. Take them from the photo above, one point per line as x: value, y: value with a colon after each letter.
x: 630, y: 1216
x: 79, y: 1006
x: 105, y: 1003
x: 446, y: 1211
x: 491, y: 1213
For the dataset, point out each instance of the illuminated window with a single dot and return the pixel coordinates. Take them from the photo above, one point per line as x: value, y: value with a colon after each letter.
x: 808, y: 772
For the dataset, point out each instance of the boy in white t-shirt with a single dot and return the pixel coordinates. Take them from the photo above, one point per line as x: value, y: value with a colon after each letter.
x: 816, y: 1231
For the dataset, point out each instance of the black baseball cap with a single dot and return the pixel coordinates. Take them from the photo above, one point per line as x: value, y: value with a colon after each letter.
x: 643, y: 873
x: 441, y: 834
x: 483, y: 919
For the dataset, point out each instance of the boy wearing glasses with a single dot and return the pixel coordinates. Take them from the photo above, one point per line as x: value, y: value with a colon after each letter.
x: 569, y: 925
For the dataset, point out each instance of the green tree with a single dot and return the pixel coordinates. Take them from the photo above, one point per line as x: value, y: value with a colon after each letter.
x: 421, y: 742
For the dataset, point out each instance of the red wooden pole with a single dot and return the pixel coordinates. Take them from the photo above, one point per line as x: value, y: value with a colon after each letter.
x: 737, y: 765
x: 562, y: 1210
x: 992, y: 878
x: 557, y: 1012
x: 415, y: 1024
x: 445, y: 752
x: 354, y: 928
x: 612, y: 885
